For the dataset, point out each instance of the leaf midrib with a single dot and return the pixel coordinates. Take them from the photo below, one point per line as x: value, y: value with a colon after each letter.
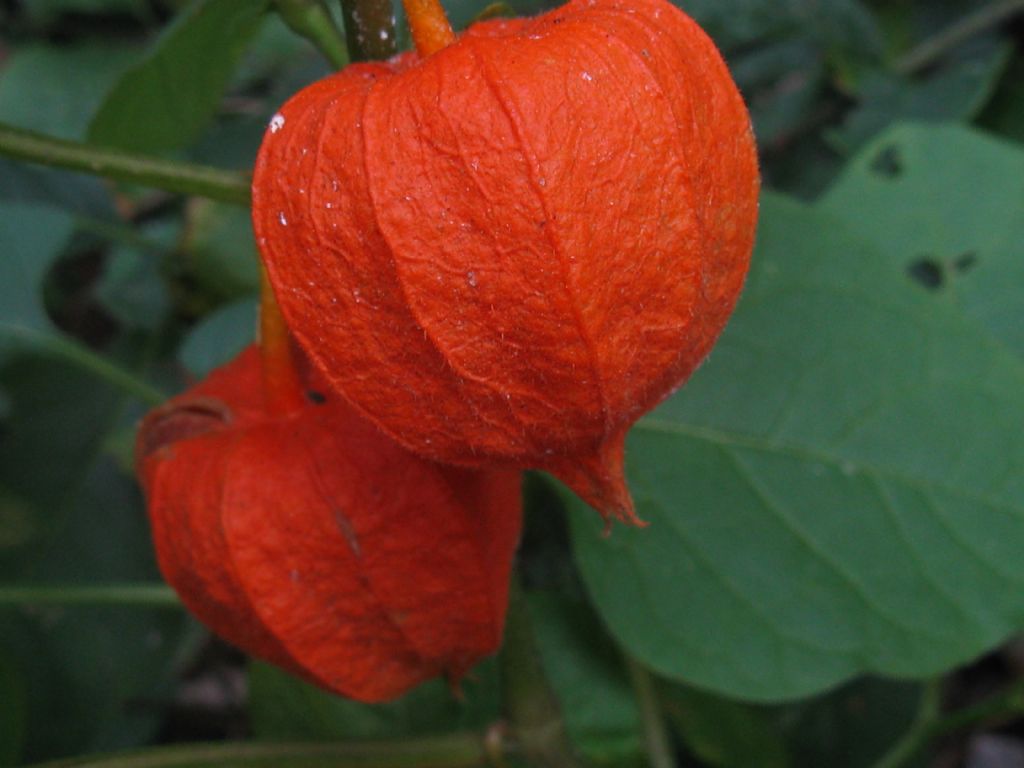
x: 732, y: 441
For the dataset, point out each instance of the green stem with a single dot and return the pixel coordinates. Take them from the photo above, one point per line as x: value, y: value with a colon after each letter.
x: 529, y: 703
x: 79, y: 355
x: 656, y: 738
x: 932, y: 50
x: 455, y: 751
x: 312, y: 20
x: 369, y: 29
x: 1005, y: 704
x: 102, y: 368
x: 148, y: 595
x: 203, y: 181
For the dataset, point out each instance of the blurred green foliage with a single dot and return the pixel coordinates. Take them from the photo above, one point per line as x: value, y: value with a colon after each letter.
x: 838, y: 492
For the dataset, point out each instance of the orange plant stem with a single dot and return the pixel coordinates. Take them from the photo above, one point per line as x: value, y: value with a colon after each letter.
x: 430, y: 28
x: 281, y: 384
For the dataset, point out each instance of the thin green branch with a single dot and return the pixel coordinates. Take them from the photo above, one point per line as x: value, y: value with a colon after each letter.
x: 656, y: 736
x: 369, y: 29
x: 1006, y: 704
x: 146, y: 595
x: 529, y: 703
x: 459, y: 750
x: 102, y: 368
x: 81, y: 356
x: 185, y: 178
x: 933, y: 49
x: 312, y: 20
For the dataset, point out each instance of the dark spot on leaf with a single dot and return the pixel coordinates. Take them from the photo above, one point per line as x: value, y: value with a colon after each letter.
x: 965, y: 262
x: 927, y: 272
x: 317, y: 398
x: 888, y: 162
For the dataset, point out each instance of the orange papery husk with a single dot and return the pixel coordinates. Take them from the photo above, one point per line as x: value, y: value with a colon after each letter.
x: 312, y: 540
x: 505, y: 252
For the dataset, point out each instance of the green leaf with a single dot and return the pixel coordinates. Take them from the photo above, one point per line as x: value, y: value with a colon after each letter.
x: 283, y: 708
x: 22, y: 183
x: 1005, y: 112
x: 133, y: 288
x: 956, y: 91
x: 840, y: 25
x: 839, y: 489
x: 587, y: 673
x: 785, y: 79
x: 220, y: 336
x: 723, y: 732
x: 277, y: 63
x: 946, y: 206
x: 78, y: 519
x: 851, y: 727
x: 220, y: 250
x: 56, y: 90
x: 165, y: 101
x: 31, y: 238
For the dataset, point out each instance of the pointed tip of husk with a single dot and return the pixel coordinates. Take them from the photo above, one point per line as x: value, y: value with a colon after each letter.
x: 598, y: 477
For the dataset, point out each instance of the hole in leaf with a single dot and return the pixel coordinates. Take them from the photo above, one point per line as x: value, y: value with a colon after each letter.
x: 928, y: 272
x: 317, y: 398
x: 965, y: 262
x: 888, y: 162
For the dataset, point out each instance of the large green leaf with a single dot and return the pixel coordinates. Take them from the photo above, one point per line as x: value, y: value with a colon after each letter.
x: 839, y: 489
x: 946, y: 205
x: 164, y: 102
